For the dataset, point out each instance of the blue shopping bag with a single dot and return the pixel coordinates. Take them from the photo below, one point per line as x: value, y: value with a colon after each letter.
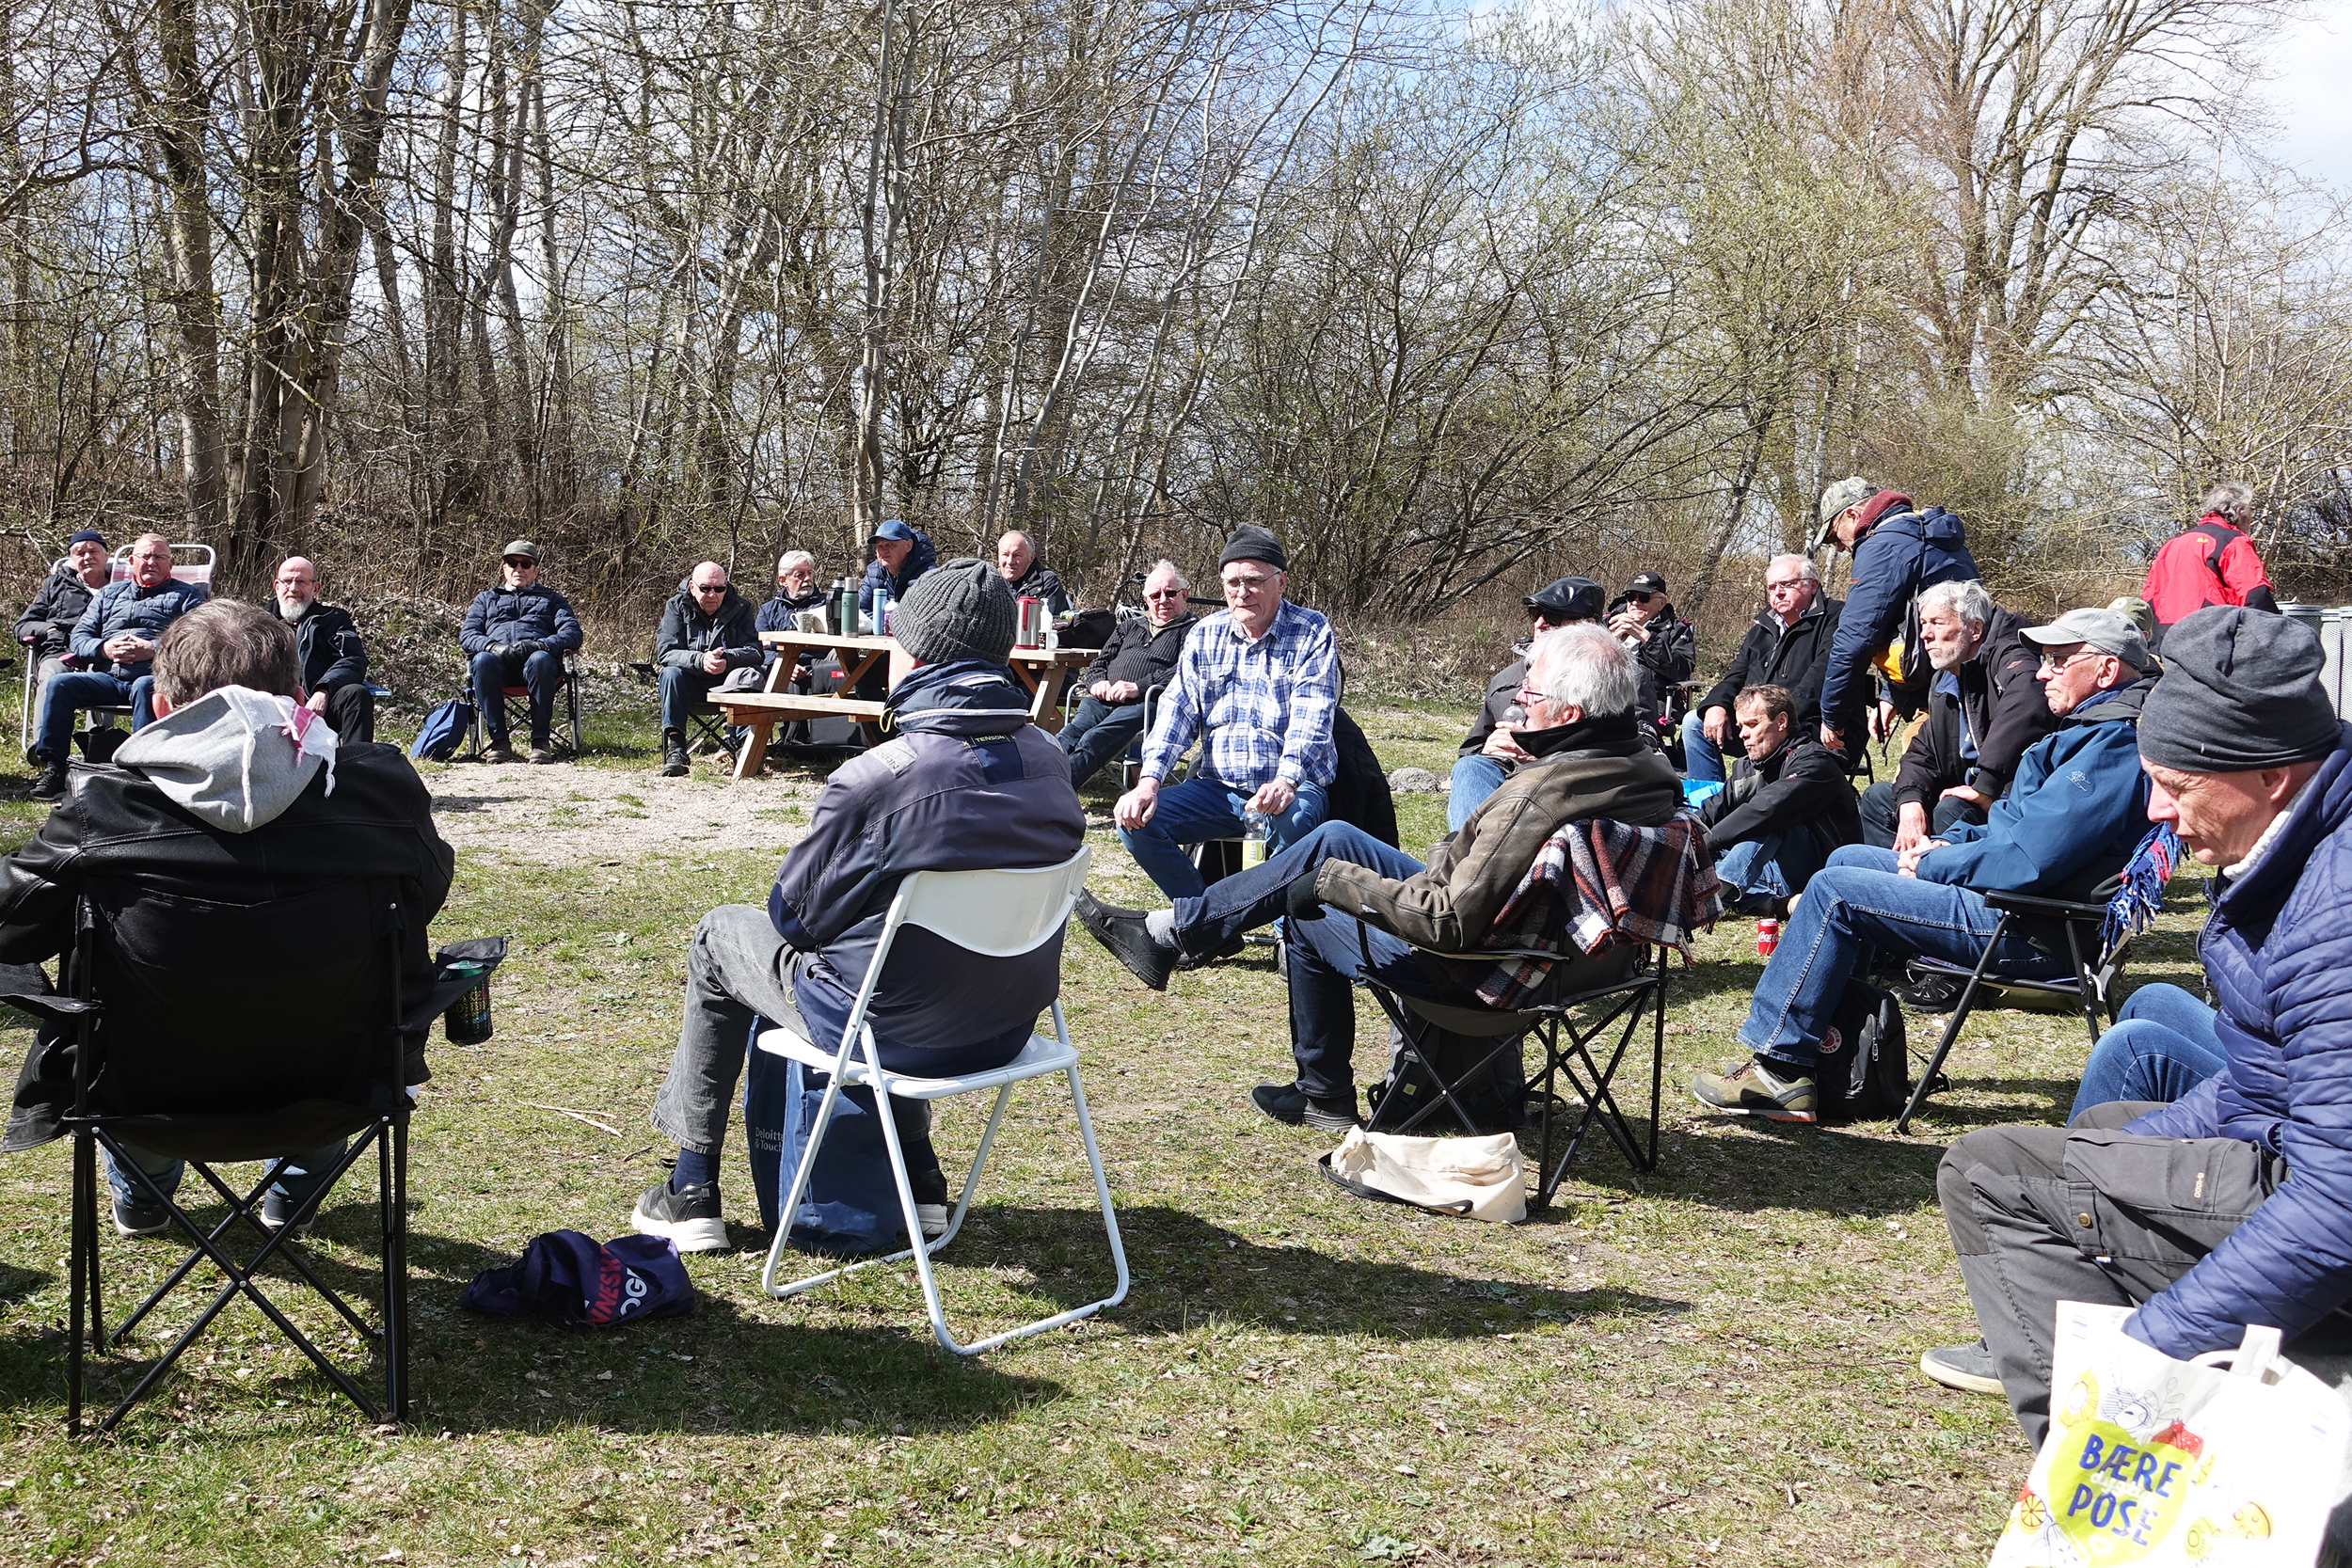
x: 851, y: 1204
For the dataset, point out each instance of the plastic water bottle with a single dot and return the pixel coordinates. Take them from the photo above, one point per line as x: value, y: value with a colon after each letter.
x: 1255, y: 826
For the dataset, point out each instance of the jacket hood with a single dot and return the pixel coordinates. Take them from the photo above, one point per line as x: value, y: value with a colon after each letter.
x: 235, y: 758
x: 961, y: 697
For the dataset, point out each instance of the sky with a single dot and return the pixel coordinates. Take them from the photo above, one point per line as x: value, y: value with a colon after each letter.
x: 2311, y: 96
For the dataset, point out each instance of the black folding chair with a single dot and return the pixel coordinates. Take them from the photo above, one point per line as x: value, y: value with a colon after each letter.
x: 1618, y: 989
x: 709, y: 722
x: 2097, y: 966
x: 563, y: 721
x: 184, y: 1048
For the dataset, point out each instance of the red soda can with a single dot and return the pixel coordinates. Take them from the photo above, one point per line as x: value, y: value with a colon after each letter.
x: 1767, y: 937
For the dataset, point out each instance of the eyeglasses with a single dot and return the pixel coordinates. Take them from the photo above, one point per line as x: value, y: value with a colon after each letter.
x: 1527, y: 694
x: 1247, y: 585
x: 1790, y: 586
x: 2051, y: 666
x: 1164, y: 593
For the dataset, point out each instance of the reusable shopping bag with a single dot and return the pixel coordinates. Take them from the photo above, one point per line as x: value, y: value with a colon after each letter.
x: 2229, y: 1461
x: 1478, y: 1177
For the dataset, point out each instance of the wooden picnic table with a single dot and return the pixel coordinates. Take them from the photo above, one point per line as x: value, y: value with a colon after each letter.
x: 757, y: 712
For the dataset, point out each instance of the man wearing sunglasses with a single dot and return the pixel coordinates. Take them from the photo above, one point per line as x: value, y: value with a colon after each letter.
x: 1664, y: 647
x: 708, y: 632
x: 519, y: 631
x: 1140, y: 655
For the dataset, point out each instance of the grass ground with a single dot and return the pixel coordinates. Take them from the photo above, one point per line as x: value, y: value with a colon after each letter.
x: 1711, y: 1364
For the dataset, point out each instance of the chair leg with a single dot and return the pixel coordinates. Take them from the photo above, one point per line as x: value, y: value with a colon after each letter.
x: 1951, y: 1031
x: 83, y: 1248
x: 2086, y: 980
x: 393, y: 1208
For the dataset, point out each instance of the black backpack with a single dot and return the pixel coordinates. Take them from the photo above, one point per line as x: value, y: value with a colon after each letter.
x: 1868, y: 1077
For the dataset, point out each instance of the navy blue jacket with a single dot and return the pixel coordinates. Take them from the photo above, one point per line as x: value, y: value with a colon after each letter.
x: 2277, y: 948
x: 921, y: 559
x: 510, y: 615
x: 124, y: 605
x: 2077, y: 810
x: 964, y: 783
x: 1904, y: 552
x: 778, y: 615
x: 48, y: 621
x: 327, y: 641
x: 686, y: 633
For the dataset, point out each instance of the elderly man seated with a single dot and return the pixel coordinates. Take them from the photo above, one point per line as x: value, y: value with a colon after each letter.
x: 2073, y: 817
x: 1140, y: 655
x: 518, y: 631
x: 114, y: 643
x: 1983, y: 711
x: 1491, y: 752
x: 707, y: 633
x: 965, y: 783
x: 46, y: 627
x: 1028, y: 576
x: 2229, y: 1207
x: 327, y: 644
x: 1586, y: 759
x: 1786, y: 811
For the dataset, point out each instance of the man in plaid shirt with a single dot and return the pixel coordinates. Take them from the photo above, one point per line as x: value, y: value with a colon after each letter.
x: 1256, y: 685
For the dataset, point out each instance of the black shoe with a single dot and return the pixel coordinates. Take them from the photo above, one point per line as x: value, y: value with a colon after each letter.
x: 1289, y: 1104
x: 1122, y: 932
x: 930, y: 1188
x: 50, y: 785
x: 1930, y: 992
x: 674, y: 763
x: 141, y: 1217
x: 688, y: 1217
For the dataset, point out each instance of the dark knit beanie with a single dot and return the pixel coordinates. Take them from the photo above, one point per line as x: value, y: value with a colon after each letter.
x: 957, y: 610
x: 2240, y: 691
x: 1252, y: 542
x: 84, y: 536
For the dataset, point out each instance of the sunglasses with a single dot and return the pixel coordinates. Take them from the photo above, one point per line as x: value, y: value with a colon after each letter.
x: 1638, y: 597
x: 520, y: 561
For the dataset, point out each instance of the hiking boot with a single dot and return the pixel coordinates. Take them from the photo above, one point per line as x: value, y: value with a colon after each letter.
x: 139, y: 1216
x: 541, y: 752
x: 1753, y: 1089
x: 687, y: 1216
x: 674, y: 763
x: 1122, y: 932
x: 497, y: 751
x: 1929, y: 992
x: 50, y: 785
x: 1289, y: 1104
x: 1967, y: 1368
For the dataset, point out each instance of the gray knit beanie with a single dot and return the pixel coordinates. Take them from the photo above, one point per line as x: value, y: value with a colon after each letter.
x: 960, y: 609
x: 2240, y: 691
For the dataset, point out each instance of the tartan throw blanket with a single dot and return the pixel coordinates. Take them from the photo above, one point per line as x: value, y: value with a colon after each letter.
x: 1600, y: 884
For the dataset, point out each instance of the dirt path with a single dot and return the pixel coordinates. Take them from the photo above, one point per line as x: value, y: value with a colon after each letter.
x: 563, y: 815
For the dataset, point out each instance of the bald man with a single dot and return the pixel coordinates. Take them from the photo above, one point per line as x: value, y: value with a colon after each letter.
x: 334, y: 662
x: 707, y: 631
x: 1018, y: 564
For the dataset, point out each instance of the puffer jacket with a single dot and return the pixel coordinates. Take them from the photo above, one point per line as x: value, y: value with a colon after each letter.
x: 687, y: 633
x: 1803, y: 785
x: 48, y: 621
x: 125, y: 606
x: 778, y: 614
x: 1792, y: 658
x: 1596, y: 767
x: 1995, y: 692
x: 2077, y: 810
x: 921, y: 559
x: 2277, y: 948
x: 1903, y: 553
x: 965, y: 783
x: 518, y: 617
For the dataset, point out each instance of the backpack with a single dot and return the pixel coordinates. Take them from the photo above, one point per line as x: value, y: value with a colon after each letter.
x: 443, y: 728
x: 1868, y: 1077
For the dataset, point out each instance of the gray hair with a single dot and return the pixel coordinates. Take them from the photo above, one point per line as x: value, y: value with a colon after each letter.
x: 1968, y: 601
x: 1164, y: 564
x: 1802, y: 564
x: 1586, y: 667
x: 794, y: 558
x: 2232, y: 497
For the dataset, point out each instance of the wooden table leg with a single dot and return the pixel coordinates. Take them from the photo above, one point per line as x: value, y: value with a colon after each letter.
x: 754, y: 749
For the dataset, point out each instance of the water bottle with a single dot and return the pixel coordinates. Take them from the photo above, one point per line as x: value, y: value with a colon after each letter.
x: 1255, y: 826
x: 845, y: 607
x: 882, y: 608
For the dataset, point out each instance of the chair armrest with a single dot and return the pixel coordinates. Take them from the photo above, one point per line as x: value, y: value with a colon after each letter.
x: 2054, y: 909
x: 56, y: 1009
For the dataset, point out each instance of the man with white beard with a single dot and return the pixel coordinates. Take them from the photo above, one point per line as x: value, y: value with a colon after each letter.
x: 334, y: 662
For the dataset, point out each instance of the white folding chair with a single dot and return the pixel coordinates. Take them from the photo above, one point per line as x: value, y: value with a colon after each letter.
x: 999, y: 914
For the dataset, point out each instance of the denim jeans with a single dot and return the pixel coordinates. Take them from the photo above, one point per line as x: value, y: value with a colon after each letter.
x: 1198, y: 810
x: 683, y: 690
x: 297, y: 1175
x: 1856, y: 904
x: 1702, y: 759
x: 1325, y: 952
x: 2163, y: 1045
x: 1097, y: 732
x: 1757, y: 870
x: 1879, y: 812
x: 1475, y: 778
x: 74, y: 690
x: 541, y: 674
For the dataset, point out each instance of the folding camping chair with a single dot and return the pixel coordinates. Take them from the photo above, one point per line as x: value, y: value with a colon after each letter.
x: 1618, y: 989
x: 171, y: 1055
x: 562, y: 722
x: 709, y: 722
x: 999, y: 914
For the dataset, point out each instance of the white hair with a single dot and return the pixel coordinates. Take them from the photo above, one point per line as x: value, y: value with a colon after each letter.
x: 1802, y: 564
x: 1968, y: 601
x: 1164, y: 564
x: 2232, y: 497
x: 794, y: 558
x: 1583, y: 667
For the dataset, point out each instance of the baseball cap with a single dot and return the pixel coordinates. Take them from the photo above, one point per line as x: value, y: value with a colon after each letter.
x: 2108, y: 630
x: 1646, y: 582
x: 521, y: 547
x: 892, y: 527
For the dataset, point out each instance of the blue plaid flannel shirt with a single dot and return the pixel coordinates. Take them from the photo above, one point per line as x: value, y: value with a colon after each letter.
x: 1265, y: 706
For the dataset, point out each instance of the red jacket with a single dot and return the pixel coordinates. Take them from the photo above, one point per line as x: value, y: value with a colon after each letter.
x: 2209, y: 564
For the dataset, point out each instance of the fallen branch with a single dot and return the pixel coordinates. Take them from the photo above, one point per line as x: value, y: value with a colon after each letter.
x: 576, y: 1116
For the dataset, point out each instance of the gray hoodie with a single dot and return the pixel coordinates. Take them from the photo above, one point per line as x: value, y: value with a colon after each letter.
x: 235, y: 758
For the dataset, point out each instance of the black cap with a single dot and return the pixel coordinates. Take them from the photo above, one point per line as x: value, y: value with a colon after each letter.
x: 1646, y: 582
x: 1566, y: 600
x: 1252, y: 542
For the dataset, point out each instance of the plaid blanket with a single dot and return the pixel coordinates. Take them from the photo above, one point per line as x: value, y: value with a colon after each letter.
x: 1600, y: 884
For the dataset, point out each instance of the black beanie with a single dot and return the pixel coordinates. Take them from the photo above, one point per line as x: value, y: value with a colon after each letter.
x: 957, y: 610
x: 1252, y: 542
x: 2240, y: 691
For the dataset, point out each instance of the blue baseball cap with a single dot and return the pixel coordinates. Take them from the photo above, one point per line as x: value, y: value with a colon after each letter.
x: 894, y: 529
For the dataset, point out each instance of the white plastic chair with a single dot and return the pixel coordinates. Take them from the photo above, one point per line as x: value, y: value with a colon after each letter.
x: 1000, y: 914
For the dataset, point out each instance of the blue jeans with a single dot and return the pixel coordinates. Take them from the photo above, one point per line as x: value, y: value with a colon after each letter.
x: 67, y: 694
x: 2163, y: 1045
x: 1766, y: 868
x: 1702, y: 759
x: 683, y: 690
x: 1325, y: 952
x: 541, y: 674
x: 296, y: 1178
x: 1880, y: 813
x: 1475, y: 778
x: 1198, y: 810
x: 1859, y: 902
x: 1098, y: 732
